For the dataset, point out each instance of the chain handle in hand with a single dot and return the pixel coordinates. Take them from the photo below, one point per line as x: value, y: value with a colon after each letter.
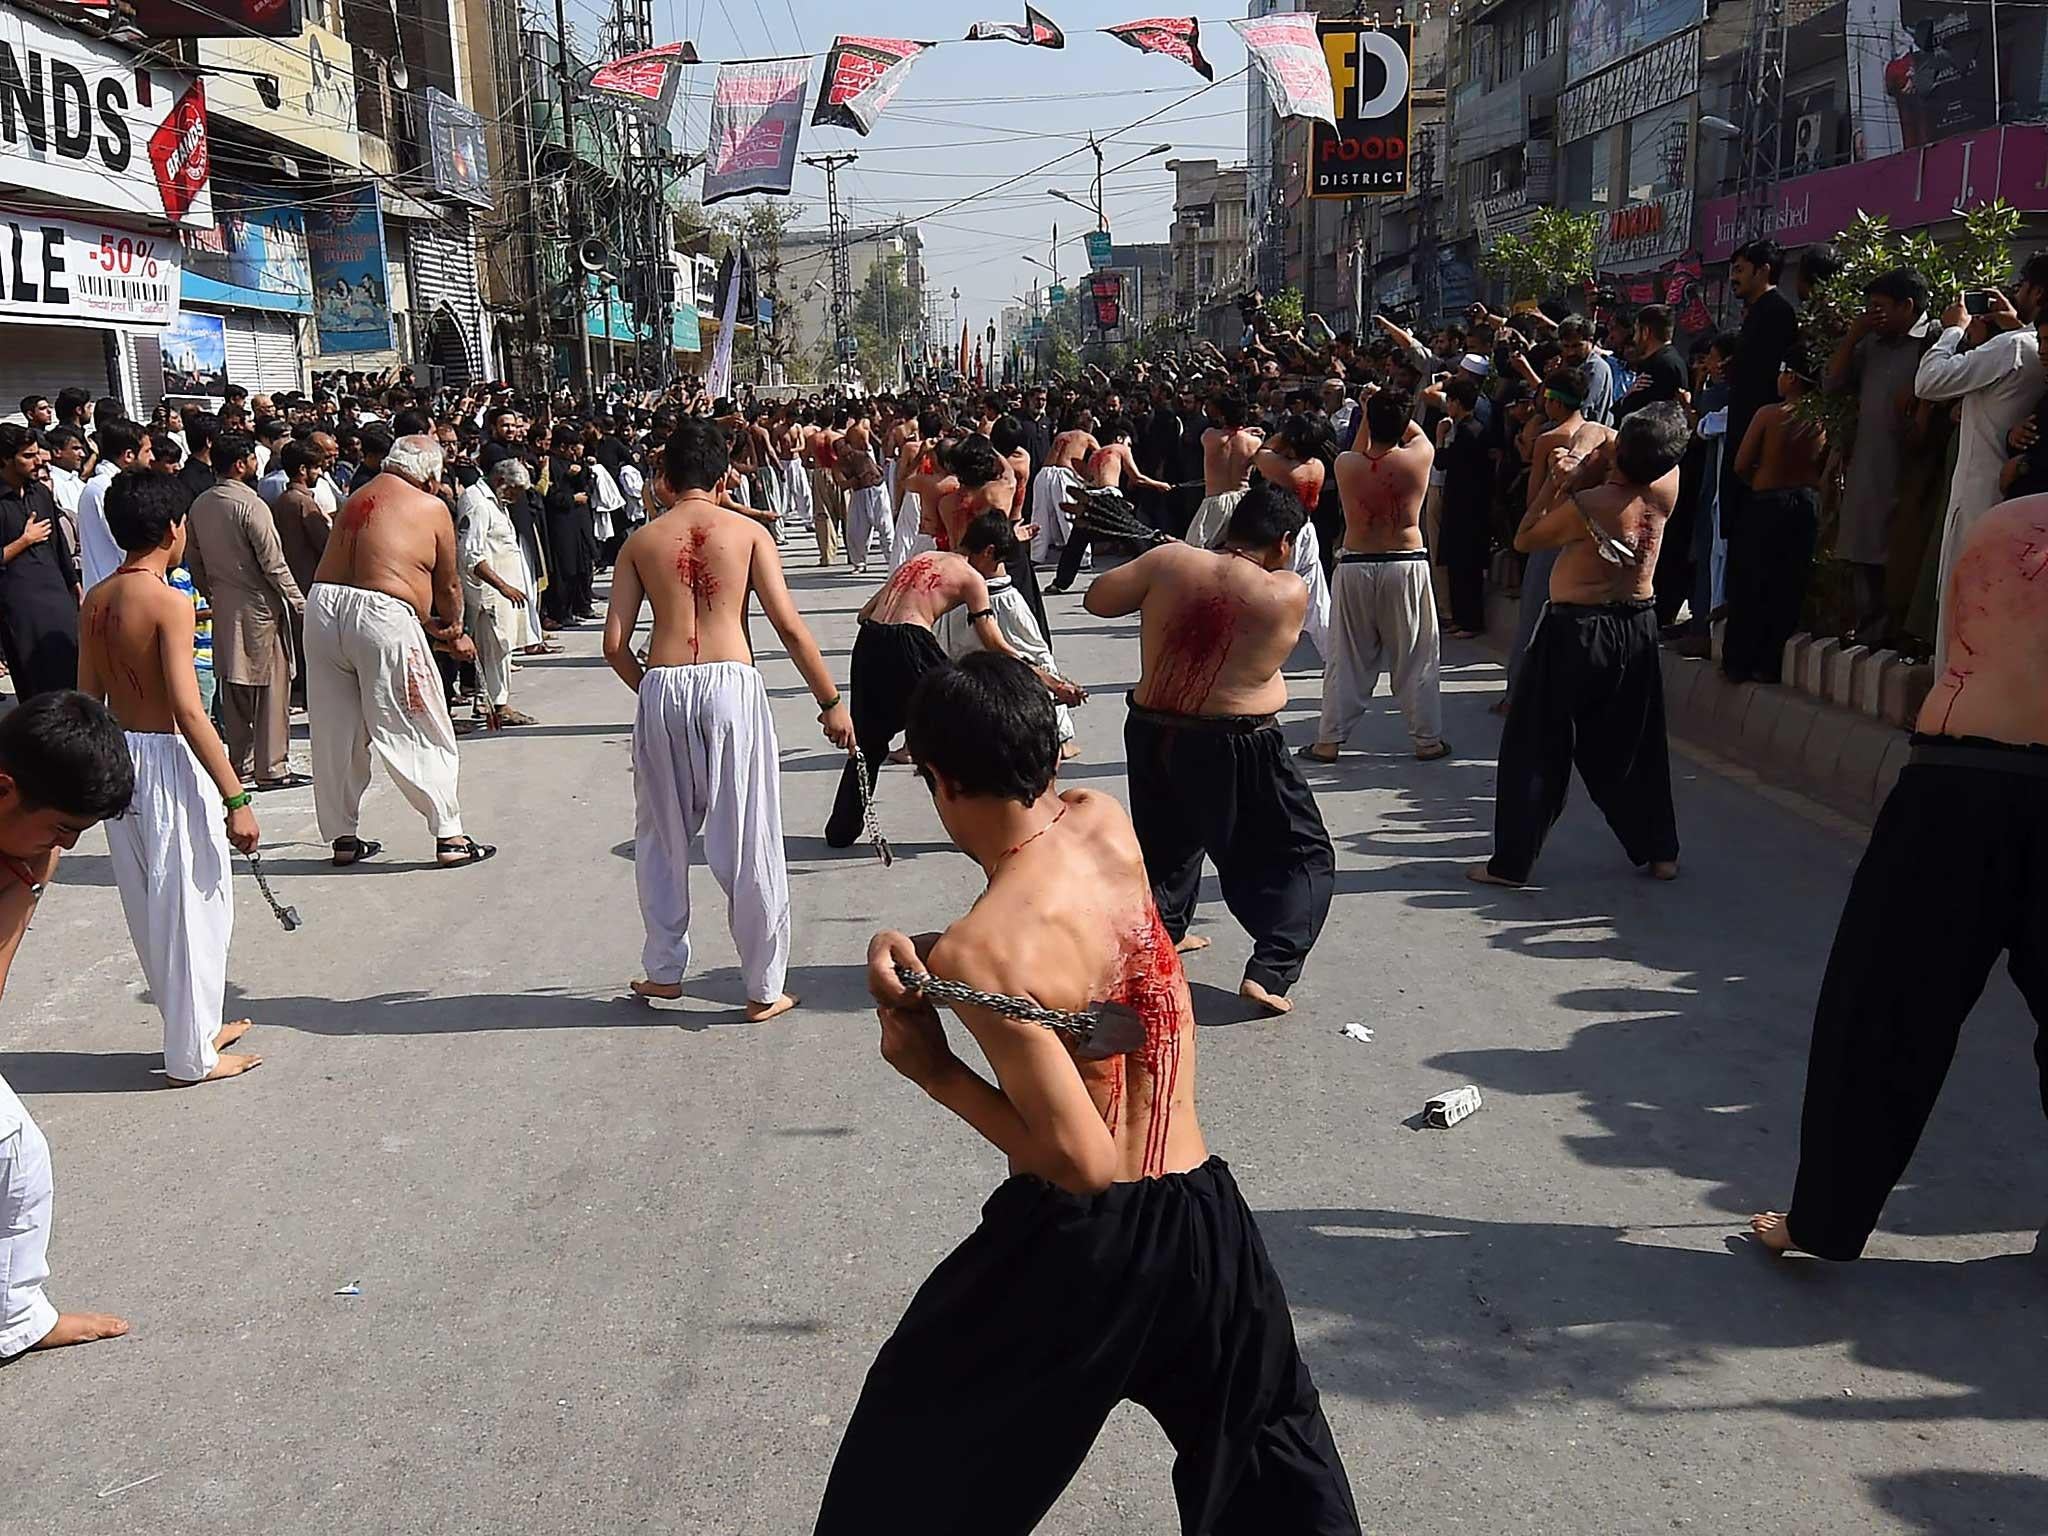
x: 287, y: 917
x: 867, y: 807
x: 938, y: 990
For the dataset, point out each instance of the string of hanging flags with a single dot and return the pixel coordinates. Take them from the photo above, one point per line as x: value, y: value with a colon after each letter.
x: 757, y: 104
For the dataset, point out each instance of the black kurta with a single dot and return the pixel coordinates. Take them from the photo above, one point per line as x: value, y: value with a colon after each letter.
x: 38, y: 604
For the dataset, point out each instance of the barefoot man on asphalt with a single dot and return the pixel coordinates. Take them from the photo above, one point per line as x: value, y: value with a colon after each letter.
x: 63, y: 766
x: 1209, y: 772
x: 1956, y: 875
x: 1119, y: 1261
x: 170, y: 853
x: 705, y: 759
x: 371, y: 685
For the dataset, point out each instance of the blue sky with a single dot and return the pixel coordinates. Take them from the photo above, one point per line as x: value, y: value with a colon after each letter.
x: 972, y: 114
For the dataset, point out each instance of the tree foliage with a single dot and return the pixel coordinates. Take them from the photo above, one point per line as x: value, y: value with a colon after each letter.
x: 1553, y: 256
x: 1286, y: 309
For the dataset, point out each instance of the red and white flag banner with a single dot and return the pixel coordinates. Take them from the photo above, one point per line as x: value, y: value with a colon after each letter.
x: 1037, y: 31
x: 1178, y: 37
x: 862, y: 74
x: 1289, y: 59
x: 646, y: 80
x: 757, y: 111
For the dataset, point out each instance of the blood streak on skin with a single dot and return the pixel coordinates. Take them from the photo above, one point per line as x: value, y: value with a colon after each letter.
x: 693, y: 570
x: 923, y: 574
x: 1192, y: 651
x: 1149, y: 983
x: 355, y: 517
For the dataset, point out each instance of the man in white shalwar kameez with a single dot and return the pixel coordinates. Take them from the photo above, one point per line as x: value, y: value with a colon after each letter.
x: 170, y: 852
x: 705, y: 759
x: 63, y: 766
x: 1050, y: 488
x: 387, y: 589
x: 988, y: 544
x: 494, y: 586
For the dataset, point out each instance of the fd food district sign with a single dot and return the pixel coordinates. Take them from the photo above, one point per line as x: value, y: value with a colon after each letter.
x: 1366, y: 154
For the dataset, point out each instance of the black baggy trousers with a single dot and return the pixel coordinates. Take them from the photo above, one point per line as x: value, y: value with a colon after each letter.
x: 1590, y: 691
x: 1770, y: 563
x: 1956, y: 874
x: 888, y: 659
x: 984, y: 1402
x: 1226, y: 785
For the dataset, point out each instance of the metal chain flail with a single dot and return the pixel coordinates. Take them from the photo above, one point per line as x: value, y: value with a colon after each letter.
x: 937, y: 989
x: 287, y: 917
x: 867, y: 807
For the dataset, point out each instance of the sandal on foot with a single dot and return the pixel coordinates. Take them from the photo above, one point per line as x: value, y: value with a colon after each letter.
x: 358, y: 849
x: 467, y: 850
x: 289, y: 781
x: 1443, y: 749
x: 1310, y: 754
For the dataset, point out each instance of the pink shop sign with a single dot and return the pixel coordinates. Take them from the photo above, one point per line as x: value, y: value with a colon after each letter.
x: 1913, y: 189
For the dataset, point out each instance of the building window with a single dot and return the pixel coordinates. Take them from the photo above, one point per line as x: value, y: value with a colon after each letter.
x: 1589, y: 170
x: 1551, y: 20
x: 1657, y: 151
x: 1532, y: 37
x: 1207, y: 278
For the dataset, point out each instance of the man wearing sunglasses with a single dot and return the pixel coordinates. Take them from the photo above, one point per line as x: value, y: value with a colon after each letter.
x: 1591, y: 689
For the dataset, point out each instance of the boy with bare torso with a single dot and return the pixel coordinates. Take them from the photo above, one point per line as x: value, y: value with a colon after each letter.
x: 1382, y: 613
x: 1591, y: 690
x: 386, y: 587
x: 896, y: 646
x: 1228, y: 448
x: 1956, y: 875
x: 981, y: 1406
x: 170, y: 853
x: 1209, y: 771
x: 705, y: 758
x: 1770, y: 553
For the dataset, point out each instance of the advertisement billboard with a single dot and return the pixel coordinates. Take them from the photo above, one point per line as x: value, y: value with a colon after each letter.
x: 195, y: 355
x: 345, y: 241
x: 1603, y: 32
x: 1367, y: 153
x: 57, y: 272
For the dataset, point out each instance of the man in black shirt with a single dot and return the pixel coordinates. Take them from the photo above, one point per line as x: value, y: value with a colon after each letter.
x: 1037, y: 429
x: 1770, y: 334
x: 197, y: 476
x: 38, y: 600
x: 1662, y: 373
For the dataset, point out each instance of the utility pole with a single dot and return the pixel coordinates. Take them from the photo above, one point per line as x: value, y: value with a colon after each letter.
x: 842, y: 265
x: 570, y: 204
x: 1426, y: 287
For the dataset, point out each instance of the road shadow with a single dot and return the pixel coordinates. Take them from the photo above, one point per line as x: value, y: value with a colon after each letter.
x: 34, y: 1072
x: 1220, y: 1007
x: 1464, y: 1317
x: 1944, y: 1500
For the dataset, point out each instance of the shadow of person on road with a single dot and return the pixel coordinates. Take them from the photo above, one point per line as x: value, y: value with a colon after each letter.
x: 1944, y: 1500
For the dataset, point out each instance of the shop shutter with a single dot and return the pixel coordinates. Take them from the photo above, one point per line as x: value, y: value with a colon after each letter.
x: 42, y: 359
x: 142, y: 372
x: 263, y: 351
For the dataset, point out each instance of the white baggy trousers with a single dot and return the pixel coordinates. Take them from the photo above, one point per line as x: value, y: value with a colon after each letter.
x: 372, y: 685
x: 706, y: 765
x: 1383, y: 617
x: 171, y: 863
x: 868, y: 518
x: 27, y: 1202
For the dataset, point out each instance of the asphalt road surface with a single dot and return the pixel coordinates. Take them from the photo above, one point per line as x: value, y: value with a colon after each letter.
x: 622, y: 1268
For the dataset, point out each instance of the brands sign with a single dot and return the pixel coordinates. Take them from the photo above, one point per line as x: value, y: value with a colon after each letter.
x: 1656, y: 78
x: 56, y: 272
x: 1912, y: 190
x: 82, y: 121
x: 1366, y: 154
x: 316, y: 87
x: 1643, y: 233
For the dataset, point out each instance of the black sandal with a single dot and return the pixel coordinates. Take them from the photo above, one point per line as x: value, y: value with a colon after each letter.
x: 289, y: 781
x: 471, y: 851
x: 359, y: 849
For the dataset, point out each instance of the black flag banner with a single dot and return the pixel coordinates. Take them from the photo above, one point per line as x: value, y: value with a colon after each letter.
x: 861, y: 75
x: 1037, y: 31
x: 1178, y: 37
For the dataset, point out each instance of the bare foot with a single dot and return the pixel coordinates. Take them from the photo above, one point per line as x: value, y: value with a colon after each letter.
x: 668, y: 991
x: 761, y: 1012
x: 230, y: 1033
x: 230, y: 1065
x: 1069, y: 751
x: 1479, y: 874
x: 899, y: 757
x: 1664, y: 869
x: 1771, y: 1231
x: 1272, y: 1002
x: 1191, y: 943
x: 82, y: 1328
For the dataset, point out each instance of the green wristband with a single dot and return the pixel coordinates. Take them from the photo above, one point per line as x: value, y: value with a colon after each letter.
x: 236, y: 802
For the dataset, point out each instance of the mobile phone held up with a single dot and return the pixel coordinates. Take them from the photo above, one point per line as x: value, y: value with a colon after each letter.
x: 1977, y: 301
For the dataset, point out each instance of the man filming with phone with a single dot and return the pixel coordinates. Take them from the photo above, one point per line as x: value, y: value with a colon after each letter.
x: 1988, y: 357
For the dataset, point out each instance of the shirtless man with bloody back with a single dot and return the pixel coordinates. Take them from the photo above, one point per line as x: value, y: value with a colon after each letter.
x: 1228, y: 448
x: 1209, y: 771
x: 705, y: 756
x: 1382, y: 614
x: 387, y: 573
x: 980, y: 1407
x: 1956, y: 875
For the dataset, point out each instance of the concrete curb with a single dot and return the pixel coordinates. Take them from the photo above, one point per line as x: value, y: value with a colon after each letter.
x: 1836, y: 730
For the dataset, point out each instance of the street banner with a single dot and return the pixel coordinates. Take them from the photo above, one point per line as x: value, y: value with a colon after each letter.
x: 757, y: 112
x: 1289, y: 57
x: 718, y: 382
x: 1178, y: 37
x: 1365, y: 152
x: 1100, y: 248
x: 1038, y: 31
x: 57, y: 272
x: 455, y: 148
x: 645, y: 82
x: 862, y: 74
x: 1106, y: 289
x: 345, y: 245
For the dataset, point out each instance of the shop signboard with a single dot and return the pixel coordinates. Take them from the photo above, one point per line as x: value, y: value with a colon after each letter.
x: 254, y: 260
x: 345, y: 242
x: 80, y: 121
x: 57, y: 272
x: 1366, y: 154
x: 195, y: 355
